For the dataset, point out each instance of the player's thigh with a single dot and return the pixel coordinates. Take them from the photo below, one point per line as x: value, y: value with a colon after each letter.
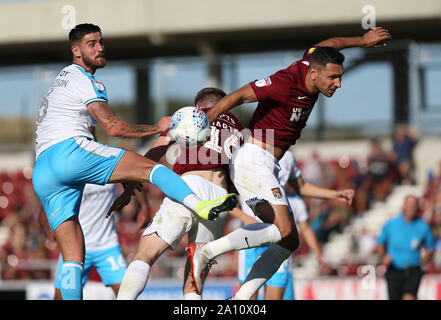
x: 171, y: 222
x: 60, y: 200
x: 110, y: 264
x: 254, y: 173
x: 132, y: 167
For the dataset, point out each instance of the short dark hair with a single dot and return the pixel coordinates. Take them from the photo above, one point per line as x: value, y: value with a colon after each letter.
x: 208, y: 97
x: 324, y: 55
x: 80, y: 30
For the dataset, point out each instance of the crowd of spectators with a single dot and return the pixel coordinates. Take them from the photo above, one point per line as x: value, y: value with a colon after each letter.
x: 26, y: 252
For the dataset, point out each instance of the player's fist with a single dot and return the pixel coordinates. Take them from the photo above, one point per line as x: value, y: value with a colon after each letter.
x: 374, y: 38
x: 346, y: 195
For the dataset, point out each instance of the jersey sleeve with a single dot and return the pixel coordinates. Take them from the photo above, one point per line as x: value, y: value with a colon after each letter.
x: 90, y: 89
x: 275, y: 87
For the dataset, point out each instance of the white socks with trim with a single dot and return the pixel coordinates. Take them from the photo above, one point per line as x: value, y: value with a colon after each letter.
x: 134, y: 281
x: 248, y: 236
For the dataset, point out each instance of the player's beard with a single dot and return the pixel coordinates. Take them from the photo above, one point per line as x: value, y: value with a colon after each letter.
x: 96, y: 62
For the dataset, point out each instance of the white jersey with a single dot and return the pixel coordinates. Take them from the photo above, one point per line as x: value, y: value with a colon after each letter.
x: 63, y: 113
x: 288, y: 167
x: 99, y: 231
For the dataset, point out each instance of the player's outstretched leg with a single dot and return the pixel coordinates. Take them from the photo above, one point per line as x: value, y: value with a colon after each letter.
x: 176, y: 188
x: 135, y: 279
x: 134, y: 167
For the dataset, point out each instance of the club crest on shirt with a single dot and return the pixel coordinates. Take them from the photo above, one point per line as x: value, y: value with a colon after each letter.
x: 277, y: 193
x: 263, y: 82
x: 99, y: 85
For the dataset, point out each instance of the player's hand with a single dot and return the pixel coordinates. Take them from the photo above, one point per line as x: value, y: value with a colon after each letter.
x: 163, y: 124
x: 346, y: 195
x: 374, y: 38
x: 123, y: 199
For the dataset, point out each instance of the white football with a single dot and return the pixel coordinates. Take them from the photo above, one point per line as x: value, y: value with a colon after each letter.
x: 189, y: 126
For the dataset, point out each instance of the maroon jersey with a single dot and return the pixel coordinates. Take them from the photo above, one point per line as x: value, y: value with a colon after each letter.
x: 225, y: 137
x: 284, y: 104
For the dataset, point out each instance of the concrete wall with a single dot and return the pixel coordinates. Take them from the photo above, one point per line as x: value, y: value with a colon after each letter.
x: 44, y: 20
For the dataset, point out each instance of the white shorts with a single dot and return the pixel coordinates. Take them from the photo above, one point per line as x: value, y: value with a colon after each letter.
x: 255, y: 174
x: 173, y: 219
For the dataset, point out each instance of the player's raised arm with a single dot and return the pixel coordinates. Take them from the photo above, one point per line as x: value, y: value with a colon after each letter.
x: 372, y: 39
x: 308, y: 189
x: 242, y: 95
x: 114, y: 126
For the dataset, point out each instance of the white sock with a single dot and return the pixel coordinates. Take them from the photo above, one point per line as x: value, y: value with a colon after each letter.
x: 192, y: 296
x: 248, y: 236
x: 263, y: 269
x: 134, y: 281
x: 191, y: 201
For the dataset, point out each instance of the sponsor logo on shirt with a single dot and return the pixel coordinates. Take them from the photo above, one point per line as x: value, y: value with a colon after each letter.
x: 263, y: 82
x: 299, y: 114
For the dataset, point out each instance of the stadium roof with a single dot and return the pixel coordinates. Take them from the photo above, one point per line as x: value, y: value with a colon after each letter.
x: 139, y: 29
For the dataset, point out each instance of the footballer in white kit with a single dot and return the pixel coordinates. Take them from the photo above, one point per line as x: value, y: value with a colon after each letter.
x: 64, y: 126
x: 246, y: 258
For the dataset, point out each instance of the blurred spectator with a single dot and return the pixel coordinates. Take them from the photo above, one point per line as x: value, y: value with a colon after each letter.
x: 312, y: 170
x: 380, y: 171
x: 404, y: 141
x: 405, y: 245
x: 365, y: 244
